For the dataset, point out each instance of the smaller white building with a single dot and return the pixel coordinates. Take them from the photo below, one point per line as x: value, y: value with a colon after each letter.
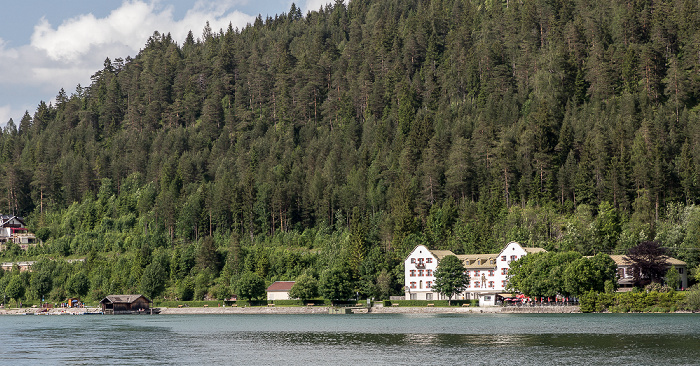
x: 279, y: 290
x: 12, y: 229
x: 625, y: 275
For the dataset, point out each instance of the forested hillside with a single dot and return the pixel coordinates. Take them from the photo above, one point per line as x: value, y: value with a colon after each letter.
x: 347, y: 136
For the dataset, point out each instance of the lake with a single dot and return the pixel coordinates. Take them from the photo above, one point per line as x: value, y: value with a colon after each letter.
x: 378, y: 339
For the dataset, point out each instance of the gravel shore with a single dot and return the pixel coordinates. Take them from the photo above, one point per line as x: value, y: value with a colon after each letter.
x: 54, y: 311
x: 374, y: 310
x: 309, y: 310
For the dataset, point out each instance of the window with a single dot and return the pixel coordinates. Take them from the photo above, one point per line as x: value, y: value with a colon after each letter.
x: 680, y: 270
x: 413, y: 260
x: 476, y: 273
x: 491, y: 272
x: 513, y: 257
x: 428, y: 260
x: 491, y: 284
x: 429, y: 272
x: 503, y: 283
x: 420, y: 273
x: 476, y: 284
x: 420, y: 260
x: 413, y: 273
x: 414, y: 296
x: 503, y: 258
x: 504, y: 271
x: 428, y: 284
x: 429, y: 296
x: 413, y: 285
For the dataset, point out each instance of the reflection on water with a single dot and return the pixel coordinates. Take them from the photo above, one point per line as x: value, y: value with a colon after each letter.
x: 349, y: 339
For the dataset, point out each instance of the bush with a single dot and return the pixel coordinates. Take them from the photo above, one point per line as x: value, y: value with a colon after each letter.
x: 692, y: 299
x: 587, y: 302
x: 288, y: 302
x: 249, y: 303
x: 185, y: 290
x: 43, y: 234
x: 633, y: 301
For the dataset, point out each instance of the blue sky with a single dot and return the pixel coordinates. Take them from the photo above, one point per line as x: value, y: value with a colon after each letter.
x: 48, y: 45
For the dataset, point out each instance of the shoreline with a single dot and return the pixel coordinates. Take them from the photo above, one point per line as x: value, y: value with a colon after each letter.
x: 312, y: 310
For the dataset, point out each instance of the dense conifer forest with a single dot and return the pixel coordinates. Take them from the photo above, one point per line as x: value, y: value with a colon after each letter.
x: 344, y: 137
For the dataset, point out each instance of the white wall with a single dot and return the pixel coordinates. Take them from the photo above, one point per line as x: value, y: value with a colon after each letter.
x: 416, y: 279
x: 277, y: 295
x: 512, y: 251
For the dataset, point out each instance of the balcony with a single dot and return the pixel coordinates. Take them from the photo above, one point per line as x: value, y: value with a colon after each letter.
x: 420, y: 265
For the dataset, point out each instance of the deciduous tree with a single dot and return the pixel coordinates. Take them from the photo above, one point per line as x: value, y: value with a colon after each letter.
x: 450, y: 277
x: 250, y: 286
x: 305, y: 287
x: 336, y: 284
x: 649, y: 262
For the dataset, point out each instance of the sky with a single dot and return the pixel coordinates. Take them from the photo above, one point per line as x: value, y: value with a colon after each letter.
x: 46, y: 45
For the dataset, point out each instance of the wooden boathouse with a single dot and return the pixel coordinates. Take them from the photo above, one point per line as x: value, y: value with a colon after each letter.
x: 126, y: 304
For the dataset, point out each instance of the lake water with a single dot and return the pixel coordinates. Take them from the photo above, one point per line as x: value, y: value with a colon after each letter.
x: 377, y: 339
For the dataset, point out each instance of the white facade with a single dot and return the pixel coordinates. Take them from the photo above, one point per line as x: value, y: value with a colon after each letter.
x: 419, y: 269
x: 488, y: 273
x: 279, y: 290
x: 279, y: 295
x: 12, y: 229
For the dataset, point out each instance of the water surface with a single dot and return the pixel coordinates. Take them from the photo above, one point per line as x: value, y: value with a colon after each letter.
x: 397, y: 339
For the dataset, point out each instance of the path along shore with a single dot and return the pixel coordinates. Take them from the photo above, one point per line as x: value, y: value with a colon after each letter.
x: 373, y: 310
x: 312, y: 310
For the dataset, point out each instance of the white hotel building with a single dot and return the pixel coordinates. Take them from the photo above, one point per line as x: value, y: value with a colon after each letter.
x: 488, y: 272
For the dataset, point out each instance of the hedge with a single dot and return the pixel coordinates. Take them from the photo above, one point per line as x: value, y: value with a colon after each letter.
x: 423, y: 303
x: 194, y: 304
x: 632, y: 302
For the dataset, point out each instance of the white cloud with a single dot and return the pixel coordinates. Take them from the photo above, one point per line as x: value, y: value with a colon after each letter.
x: 5, y: 114
x: 67, y: 55
x: 315, y: 5
x: 130, y: 25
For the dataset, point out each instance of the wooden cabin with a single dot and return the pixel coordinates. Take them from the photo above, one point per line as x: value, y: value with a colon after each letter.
x: 125, y: 304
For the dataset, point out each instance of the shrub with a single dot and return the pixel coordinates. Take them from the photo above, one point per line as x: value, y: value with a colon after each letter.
x: 692, y: 299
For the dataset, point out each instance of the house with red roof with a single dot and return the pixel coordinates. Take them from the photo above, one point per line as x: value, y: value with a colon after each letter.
x: 279, y: 290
